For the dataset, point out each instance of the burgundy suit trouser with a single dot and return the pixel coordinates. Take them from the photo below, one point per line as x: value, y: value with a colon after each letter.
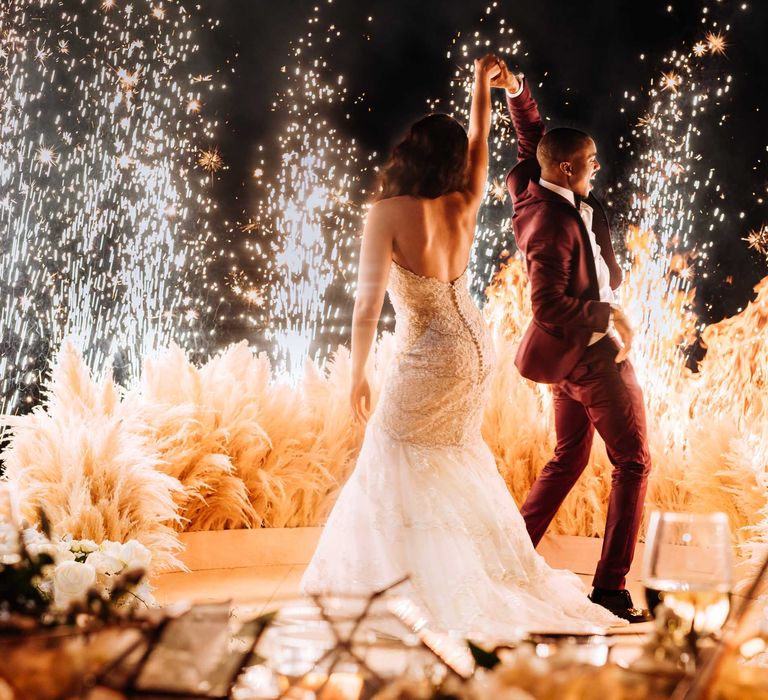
x: 601, y: 394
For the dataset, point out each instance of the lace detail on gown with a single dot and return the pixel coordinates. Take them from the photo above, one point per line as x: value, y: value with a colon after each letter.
x: 435, y: 390
x: 426, y: 499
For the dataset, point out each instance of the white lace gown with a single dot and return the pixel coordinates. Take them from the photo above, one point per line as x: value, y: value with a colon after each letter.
x: 426, y: 499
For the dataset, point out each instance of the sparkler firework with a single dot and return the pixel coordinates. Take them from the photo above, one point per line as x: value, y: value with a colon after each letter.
x: 102, y: 223
x: 314, y: 205
x: 667, y: 231
x: 309, y: 215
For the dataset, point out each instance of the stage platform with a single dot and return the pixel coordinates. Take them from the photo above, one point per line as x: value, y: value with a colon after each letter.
x: 260, y: 569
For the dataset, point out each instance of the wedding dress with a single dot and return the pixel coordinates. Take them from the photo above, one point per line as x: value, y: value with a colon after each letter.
x: 426, y: 499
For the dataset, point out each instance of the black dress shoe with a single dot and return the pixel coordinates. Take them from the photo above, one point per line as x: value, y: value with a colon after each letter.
x: 619, y: 602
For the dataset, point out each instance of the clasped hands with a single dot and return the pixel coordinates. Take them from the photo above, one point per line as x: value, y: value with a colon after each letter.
x: 492, y: 68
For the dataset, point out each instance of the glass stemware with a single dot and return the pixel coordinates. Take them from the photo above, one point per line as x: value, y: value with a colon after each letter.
x: 687, y: 575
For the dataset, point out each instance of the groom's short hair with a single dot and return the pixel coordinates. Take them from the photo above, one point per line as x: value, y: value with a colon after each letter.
x: 559, y: 145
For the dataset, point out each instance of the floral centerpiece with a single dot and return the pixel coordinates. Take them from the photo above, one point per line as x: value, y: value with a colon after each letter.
x: 68, y: 609
x: 79, y: 566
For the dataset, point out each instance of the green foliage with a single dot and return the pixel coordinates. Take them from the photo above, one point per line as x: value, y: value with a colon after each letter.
x: 483, y: 658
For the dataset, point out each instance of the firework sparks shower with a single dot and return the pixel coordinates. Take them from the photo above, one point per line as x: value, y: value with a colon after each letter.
x: 102, y: 209
x: 315, y: 204
x: 310, y: 212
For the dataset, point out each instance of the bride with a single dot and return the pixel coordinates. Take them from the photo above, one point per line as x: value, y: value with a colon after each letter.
x: 425, y: 498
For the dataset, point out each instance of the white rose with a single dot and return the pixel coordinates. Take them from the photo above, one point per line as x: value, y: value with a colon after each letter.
x: 71, y: 581
x: 84, y: 546
x: 136, y: 555
x: 37, y: 544
x: 104, y: 564
x: 112, y: 549
x: 64, y: 555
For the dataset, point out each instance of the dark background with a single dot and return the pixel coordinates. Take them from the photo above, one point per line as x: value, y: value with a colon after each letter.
x: 587, y: 54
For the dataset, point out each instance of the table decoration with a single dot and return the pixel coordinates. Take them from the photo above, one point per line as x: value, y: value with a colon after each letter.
x: 60, y: 625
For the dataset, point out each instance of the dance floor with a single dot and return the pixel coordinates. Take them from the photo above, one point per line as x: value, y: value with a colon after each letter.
x: 259, y: 570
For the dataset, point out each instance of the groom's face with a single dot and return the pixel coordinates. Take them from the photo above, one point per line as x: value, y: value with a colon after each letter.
x: 583, y: 168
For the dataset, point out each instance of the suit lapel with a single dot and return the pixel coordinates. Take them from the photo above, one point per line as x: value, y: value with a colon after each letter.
x: 536, y: 190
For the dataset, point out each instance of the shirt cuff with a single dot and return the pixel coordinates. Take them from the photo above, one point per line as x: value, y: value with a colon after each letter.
x: 518, y: 92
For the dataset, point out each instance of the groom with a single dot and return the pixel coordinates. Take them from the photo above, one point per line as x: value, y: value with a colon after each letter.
x: 563, y: 232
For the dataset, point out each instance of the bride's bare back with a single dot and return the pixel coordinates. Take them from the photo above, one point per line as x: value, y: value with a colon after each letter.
x: 430, y: 237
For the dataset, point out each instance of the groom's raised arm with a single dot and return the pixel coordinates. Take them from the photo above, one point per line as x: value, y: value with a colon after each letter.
x: 526, y: 120
x: 529, y: 128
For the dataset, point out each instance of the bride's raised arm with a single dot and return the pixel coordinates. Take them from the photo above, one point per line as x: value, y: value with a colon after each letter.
x: 375, y: 260
x: 487, y: 69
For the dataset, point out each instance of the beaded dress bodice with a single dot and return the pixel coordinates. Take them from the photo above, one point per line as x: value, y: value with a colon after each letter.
x: 435, y: 390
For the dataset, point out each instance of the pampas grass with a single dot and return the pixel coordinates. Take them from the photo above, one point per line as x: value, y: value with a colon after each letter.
x: 708, y: 432
x: 80, y: 459
x: 229, y: 445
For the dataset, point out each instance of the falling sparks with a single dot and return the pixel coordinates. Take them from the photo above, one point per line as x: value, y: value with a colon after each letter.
x: 46, y: 156
x: 238, y: 283
x: 254, y: 296
x: 250, y: 226
x: 210, y: 160
x: 667, y: 223
x: 758, y: 240
x: 647, y: 120
x: 42, y: 55
x: 716, y: 43
x: 102, y: 225
x: 194, y: 106
x: 671, y: 81
x: 306, y: 229
x: 699, y: 49
x: 498, y: 190
x: 128, y: 81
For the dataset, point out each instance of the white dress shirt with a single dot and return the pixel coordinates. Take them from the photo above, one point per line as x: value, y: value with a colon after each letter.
x: 519, y: 91
x: 601, y: 267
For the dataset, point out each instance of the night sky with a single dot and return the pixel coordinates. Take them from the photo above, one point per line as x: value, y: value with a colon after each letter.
x: 586, y: 54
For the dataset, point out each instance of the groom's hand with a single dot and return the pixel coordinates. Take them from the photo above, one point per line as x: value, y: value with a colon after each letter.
x: 506, y: 79
x: 626, y: 334
x: 488, y: 68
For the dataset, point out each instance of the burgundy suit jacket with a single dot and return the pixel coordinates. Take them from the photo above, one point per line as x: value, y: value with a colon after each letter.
x: 554, y: 241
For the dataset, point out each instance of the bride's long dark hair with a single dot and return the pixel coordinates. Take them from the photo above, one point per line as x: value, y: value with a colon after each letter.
x: 429, y: 162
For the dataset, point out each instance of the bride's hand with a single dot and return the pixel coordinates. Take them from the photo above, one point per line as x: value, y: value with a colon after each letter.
x: 360, y: 400
x: 487, y: 68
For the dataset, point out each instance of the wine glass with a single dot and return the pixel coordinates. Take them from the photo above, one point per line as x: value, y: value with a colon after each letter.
x: 687, y: 575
